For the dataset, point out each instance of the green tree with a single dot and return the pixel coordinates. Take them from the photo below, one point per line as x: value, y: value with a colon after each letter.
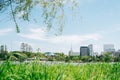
x: 86, y: 58
x: 75, y: 58
x: 52, y: 11
x: 107, y: 56
x: 60, y: 56
x: 117, y: 59
x: 16, y: 55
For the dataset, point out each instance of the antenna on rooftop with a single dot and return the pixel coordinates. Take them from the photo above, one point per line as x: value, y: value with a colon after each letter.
x: 71, y: 46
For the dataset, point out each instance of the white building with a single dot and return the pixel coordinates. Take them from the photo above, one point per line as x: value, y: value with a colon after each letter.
x: 74, y: 54
x: 109, y: 48
x: 91, y: 49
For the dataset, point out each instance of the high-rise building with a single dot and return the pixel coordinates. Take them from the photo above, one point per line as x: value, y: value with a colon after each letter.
x: 84, y: 51
x: 109, y: 48
x: 91, y: 49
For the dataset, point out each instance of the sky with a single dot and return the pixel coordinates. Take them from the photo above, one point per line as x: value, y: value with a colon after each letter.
x: 94, y: 22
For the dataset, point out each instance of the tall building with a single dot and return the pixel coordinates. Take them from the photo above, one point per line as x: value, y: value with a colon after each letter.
x: 84, y: 51
x: 109, y: 48
x: 91, y: 49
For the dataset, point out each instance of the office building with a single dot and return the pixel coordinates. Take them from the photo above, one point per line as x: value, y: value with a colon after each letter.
x: 84, y: 51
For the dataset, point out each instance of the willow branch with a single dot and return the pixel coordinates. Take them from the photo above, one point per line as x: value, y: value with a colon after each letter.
x: 13, y: 15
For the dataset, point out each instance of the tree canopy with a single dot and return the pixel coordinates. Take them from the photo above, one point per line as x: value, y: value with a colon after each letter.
x: 52, y: 10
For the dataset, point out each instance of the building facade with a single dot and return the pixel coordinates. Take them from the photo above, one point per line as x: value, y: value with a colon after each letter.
x: 71, y: 53
x: 109, y: 48
x: 91, y: 49
x: 84, y: 51
x: 117, y: 53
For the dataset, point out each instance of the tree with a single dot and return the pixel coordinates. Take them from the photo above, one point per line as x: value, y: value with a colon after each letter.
x: 16, y: 55
x: 86, y: 58
x: 59, y: 56
x: 107, y: 56
x: 52, y: 11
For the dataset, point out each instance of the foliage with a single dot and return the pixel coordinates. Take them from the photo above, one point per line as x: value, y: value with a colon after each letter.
x: 43, y: 71
x: 22, y: 56
x: 59, y: 56
x: 52, y: 10
x: 67, y: 59
x: 17, y: 56
x: 51, y: 58
x: 116, y: 59
x: 86, y: 58
x: 73, y: 58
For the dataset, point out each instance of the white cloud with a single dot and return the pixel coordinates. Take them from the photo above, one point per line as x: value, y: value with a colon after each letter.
x: 5, y: 31
x: 75, y: 38
x: 35, y: 33
x: 41, y: 34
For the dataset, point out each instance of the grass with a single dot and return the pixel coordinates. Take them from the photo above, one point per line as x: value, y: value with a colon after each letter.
x: 39, y: 71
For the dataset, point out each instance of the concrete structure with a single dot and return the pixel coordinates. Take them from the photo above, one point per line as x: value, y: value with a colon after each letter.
x: 84, y: 51
x: 74, y: 53
x: 109, y: 48
x: 117, y: 53
x: 49, y: 54
x: 71, y: 53
x: 91, y: 49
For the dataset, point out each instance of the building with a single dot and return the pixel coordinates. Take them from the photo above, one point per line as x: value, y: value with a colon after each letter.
x: 91, y: 49
x: 71, y: 53
x: 49, y: 54
x: 109, y: 48
x: 74, y: 53
x: 84, y: 51
x: 117, y: 53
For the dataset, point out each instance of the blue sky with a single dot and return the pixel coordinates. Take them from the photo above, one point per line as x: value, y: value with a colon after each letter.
x: 94, y: 22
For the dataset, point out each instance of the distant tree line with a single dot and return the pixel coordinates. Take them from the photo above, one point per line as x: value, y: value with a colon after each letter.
x: 105, y: 57
x: 26, y: 51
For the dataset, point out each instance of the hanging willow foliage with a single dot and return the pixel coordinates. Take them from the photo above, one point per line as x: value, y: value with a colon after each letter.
x: 50, y: 10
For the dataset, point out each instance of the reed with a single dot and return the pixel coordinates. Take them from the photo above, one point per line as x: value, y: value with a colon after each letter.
x: 39, y: 71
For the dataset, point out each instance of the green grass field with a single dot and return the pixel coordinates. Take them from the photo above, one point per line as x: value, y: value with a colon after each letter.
x: 39, y: 71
